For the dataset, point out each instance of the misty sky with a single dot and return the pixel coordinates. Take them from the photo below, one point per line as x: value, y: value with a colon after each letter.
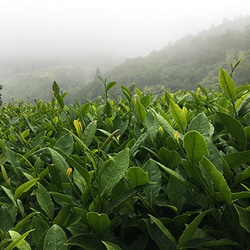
x: 33, y: 28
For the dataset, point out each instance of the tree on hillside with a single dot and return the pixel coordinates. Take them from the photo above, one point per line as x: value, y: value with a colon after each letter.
x: 1, y: 87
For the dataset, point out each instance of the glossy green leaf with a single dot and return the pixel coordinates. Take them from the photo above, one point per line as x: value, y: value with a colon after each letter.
x: 40, y: 226
x: 44, y: 200
x: 84, y: 242
x: 63, y: 217
x: 154, y: 174
x: 6, y: 221
x: 173, y: 173
x: 156, y: 234
x: 59, y: 163
x: 178, y: 115
x: 113, y: 171
x: 127, y: 93
x: 176, y: 193
x: 10, y: 195
x: 124, y: 196
x: 82, y: 171
x: 145, y: 100
x: 169, y: 158
x: 24, y: 221
x: 111, y: 246
x: 100, y: 222
x: 244, y: 217
x: 234, y: 127
x: 188, y: 233
x: 140, y: 110
x: 163, y: 229
x: 89, y: 133
x: 16, y: 236
x: 195, y: 146
x: 25, y: 187
x: 18, y: 241
x: 218, y: 179
x: 110, y: 85
x: 85, y: 109
x: 243, y: 175
x: 201, y: 124
x: 227, y: 84
x: 137, y: 176
x: 55, y: 239
x: 66, y: 144
x: 165, y: 124
x: 235, y: 160
x: 55, y: 88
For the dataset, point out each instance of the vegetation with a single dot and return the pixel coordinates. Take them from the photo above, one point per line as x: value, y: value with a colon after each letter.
x: 190, y: 61
x: 144, y: 171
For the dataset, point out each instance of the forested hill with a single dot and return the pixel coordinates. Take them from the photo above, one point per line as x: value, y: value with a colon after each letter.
x: 191, y: 60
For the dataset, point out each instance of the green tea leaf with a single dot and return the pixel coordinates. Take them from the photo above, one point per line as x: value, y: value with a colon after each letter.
x: 85, y: 109
x: 18, y: 240
x: 137, y: 176
x: 140, y: 110
x: 156, y: 234
x: 242, y: 175
x: 110, y: 85
x: 111, y: 246
x: 59, y: 163
x: 173, y: 173
x: 218, y: 180
x: 227, y: 84
x: 178, y: 115
x: 22, y: 244
x: 169, y: 158
x: 66, y: 144
x: 163, y: 229
x: 25, y: 187
x: 235, y: 160
x: 55, y: 239
x: 6, y: 221
x: 113, y: 171
x: 165, y: 124
x: 201, y: 124
x: 100, y: 222
x: 84, y: 242
x: 123, y: 197
x: 154, y: 174
x: 176, y: 193
x: 55, y: 88
x: 63, y: 217
x: 24, y: 221
x: 40, y: 226
x: 127, y: 93
x: 89, y: 133
x: 191, y: 228
x: 234, y: 127
x: 82, y: 171
x: 244, y: 217
x: 44, y: 200
x: 195, y: 146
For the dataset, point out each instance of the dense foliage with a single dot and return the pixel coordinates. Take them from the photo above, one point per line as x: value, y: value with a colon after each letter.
x: 142, y: 172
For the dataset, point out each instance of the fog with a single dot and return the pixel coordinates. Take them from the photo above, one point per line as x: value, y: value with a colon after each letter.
x: 68, y: 29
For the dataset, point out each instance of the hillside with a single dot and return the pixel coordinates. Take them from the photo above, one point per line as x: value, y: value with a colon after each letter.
x: 29, y: 79
x: 190, y: 61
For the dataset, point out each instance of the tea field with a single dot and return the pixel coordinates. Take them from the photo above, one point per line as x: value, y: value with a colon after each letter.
x: 142, y: 171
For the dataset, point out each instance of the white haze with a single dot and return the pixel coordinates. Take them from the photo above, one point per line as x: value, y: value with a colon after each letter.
x: 63, y: 28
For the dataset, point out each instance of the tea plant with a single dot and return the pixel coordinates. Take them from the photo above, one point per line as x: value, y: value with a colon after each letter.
x: 141, y: 172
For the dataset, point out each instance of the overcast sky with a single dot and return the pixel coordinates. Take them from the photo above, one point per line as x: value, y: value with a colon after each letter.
x: 129, y: 27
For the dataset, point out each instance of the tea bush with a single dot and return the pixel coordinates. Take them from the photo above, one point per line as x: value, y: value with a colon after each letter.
x: 139, y: 172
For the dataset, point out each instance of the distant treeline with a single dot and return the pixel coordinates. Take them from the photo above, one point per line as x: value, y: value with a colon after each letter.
x: 190, y: 61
